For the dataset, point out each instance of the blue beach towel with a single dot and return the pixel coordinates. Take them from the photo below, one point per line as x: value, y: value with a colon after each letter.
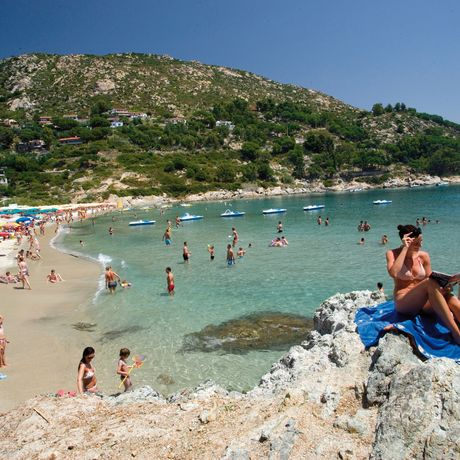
x: 433, y: 339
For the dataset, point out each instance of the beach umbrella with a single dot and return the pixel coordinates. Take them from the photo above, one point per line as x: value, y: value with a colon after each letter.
x: 23, y: 220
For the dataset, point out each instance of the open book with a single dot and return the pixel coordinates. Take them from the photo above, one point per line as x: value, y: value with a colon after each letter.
x: 443, y: 279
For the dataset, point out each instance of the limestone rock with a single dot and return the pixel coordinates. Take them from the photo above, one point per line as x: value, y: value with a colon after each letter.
x: 393, y: 356
x: 421, y: 417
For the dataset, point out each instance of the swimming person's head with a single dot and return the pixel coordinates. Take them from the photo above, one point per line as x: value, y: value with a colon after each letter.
x: 410, y: 230
x: 88, y: 354
x: 168, y: 269
x: 124, y: 353
x: 379, y: 286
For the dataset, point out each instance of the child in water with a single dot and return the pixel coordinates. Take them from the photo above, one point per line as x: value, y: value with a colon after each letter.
x: 123, y: 369
x: 212, y: 251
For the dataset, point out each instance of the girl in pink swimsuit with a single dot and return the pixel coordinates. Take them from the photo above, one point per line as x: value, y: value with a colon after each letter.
x: 414, y: 290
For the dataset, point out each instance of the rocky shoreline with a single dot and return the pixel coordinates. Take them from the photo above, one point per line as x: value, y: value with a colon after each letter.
x: 298, y: 188
x: 326, y: 398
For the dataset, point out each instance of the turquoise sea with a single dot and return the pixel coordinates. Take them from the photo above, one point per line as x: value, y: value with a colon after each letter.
x: 318, y: 262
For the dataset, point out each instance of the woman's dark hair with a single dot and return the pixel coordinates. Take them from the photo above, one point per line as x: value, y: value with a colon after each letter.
x: 86, y: 352
x: 406, y: 229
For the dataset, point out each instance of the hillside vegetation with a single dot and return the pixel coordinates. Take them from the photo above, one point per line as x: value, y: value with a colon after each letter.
x: 146, y: 124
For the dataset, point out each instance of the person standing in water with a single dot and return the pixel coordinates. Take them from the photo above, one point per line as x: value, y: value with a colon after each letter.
x: 167, y: 236
x: 170, y: 281
x: 110, y: 282
x: 186, y: 253
x: 123, y: 369
x: 230, y: 255
x: 279, y: 227
x: 86, y: 379
x: 212, y: 251
x: 319, y: 220
x: 235, y: 236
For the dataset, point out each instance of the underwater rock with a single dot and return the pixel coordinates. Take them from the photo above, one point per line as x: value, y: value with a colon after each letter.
x: 165, y: 379
x: 112, y: 335
x: 84, y: 327
x: 257, y: 331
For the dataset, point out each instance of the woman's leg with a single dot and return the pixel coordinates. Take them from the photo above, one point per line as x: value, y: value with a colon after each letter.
x: 413, y: 301
x: 441, y: 308
x: 454, y: 306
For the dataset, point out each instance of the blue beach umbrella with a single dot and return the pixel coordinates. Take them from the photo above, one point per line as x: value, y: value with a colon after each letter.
x: 23, y: 219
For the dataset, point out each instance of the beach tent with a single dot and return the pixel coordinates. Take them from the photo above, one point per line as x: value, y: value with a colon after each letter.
x: 44, y: 211
x: 11, y: 211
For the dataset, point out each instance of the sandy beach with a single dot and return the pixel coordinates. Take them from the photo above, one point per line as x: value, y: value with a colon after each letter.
x: 44, y: 349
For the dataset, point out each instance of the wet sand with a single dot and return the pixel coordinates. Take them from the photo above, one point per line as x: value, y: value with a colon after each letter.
x: 44, y: 348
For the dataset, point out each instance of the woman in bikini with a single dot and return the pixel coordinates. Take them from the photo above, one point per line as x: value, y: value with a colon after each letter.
x: 414, y: 290
x: 23, y: 272
x: 86, y: 380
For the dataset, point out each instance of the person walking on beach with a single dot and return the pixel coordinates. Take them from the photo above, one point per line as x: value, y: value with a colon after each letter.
x: 186, y: 253
x: 23, y: 272
x: 230, y: 255
x: 235, y: 236
x: 170, y: 281
x: 3, y: 343
x: 86, y: 378
x: 123, y: 370
x: 110, y: 282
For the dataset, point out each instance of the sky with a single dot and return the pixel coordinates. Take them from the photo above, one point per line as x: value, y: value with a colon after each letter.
x: 359, y: 51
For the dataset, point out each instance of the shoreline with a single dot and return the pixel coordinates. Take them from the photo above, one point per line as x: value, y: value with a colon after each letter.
x: 299, y: 188
x: 44, y: 349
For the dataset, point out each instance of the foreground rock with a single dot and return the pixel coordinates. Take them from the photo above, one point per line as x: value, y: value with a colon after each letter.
x: 326, y: 398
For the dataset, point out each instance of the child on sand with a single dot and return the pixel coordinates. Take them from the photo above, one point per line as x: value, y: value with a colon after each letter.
x: 123, y: 369
x: 170, y: 280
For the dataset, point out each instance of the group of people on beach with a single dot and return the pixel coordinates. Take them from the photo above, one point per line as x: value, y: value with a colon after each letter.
x: 86, y: 376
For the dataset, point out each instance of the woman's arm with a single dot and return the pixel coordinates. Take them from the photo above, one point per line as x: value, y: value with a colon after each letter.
x: 394, y: 264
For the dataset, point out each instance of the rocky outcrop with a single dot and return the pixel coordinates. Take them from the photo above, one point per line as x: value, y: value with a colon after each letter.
x: 326, y: 398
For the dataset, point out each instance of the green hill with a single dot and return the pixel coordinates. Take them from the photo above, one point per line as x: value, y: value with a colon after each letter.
x: 183, y: 127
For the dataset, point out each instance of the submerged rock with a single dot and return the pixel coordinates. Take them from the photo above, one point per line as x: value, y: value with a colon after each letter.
x: 258, y: 331
x: 116, y: 334
x: 165, y: 379
x: 84, y: 327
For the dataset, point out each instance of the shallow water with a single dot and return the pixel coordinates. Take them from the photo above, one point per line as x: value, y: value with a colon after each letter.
x: 318, y: 262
